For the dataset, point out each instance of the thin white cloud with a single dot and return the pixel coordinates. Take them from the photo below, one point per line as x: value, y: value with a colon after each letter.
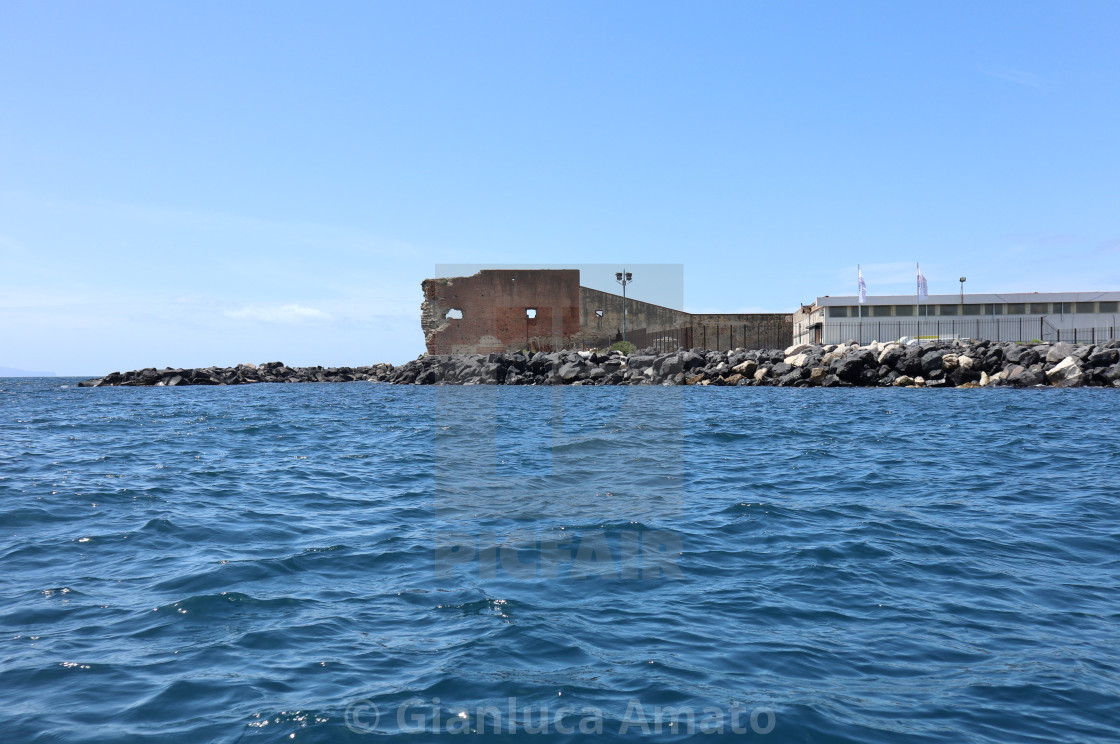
x: 278, y: 314
x: 1018, y: 77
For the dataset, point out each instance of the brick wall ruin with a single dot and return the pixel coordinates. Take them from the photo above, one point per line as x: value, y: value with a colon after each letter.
x: 494, y: 309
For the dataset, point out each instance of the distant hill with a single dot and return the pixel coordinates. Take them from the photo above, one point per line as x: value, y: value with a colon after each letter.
x: 10, y: 372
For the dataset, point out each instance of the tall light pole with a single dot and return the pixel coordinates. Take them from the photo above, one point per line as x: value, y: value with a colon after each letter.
x: 623, y: 277
x: 963, y: 279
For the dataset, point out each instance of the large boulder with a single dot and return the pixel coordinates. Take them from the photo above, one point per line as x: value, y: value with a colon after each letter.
x: 493, y: 373
x: 910, y: 363
x: 890, y: 354
x: 639, y: 362
x: 1017, y: 375
x: 964, y: 375
x: 790, y: 378
x: 1103, y: 358
x: 932, y: 361
x: 1066, y: 373
x: 869, y: 377
x: 669, y: 366
x: 745, y: 368
x: 850, y: 368
x: 691, y: 360
x: 1058, y: 352
x: 573, y: 371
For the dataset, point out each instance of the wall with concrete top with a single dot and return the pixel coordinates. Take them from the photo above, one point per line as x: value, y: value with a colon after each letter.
x: 639, y: 315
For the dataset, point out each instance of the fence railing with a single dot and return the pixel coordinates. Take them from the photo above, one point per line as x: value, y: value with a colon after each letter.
x: 722, y: 337
x: 1024, y: 329
x: 660, y: 341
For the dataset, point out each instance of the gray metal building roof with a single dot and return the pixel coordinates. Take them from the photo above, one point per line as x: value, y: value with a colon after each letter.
x: 969, y: 299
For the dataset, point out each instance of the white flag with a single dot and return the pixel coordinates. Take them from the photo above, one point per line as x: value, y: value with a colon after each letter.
x: 923, y: 288
x: 862, y: 287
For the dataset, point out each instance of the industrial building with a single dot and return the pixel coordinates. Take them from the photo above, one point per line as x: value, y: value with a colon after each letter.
x: 1035, y: 316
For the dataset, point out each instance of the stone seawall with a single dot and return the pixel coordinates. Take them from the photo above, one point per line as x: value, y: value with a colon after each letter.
x: 242, y: 374
x: 926, y: 364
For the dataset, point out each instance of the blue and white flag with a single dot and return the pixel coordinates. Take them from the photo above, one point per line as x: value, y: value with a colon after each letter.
x: 862, y: 287
x: 923, y: 288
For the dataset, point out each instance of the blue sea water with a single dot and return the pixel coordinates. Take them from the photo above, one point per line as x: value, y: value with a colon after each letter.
x: 339, y: 562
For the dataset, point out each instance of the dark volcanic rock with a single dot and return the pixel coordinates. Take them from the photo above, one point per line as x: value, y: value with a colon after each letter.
x: 933, y: 364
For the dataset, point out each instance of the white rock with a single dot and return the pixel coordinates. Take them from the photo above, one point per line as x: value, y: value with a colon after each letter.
x: 886, y: 349
x: 746, y: 368
x: 1064, y: 371
x: 797, y: 360
x: 796, y: 349
x: 966, y: 362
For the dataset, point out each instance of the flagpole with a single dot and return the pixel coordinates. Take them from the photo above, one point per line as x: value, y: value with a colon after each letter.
x: 859, y: 302
x: 918, y: 294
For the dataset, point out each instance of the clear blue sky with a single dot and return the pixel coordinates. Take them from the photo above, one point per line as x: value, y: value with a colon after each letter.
x: 211, y: 183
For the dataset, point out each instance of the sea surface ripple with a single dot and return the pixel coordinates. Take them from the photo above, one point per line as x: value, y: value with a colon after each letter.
x: 334, y: 562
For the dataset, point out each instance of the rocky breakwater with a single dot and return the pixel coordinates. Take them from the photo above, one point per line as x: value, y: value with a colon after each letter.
x: 894, y: 364
x: 242, y: 374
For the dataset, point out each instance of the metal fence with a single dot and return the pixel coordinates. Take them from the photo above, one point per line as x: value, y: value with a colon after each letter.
x: 1024, y: 329
x: 718, y: 337
x: 660, y: 341
x: 741, y: 336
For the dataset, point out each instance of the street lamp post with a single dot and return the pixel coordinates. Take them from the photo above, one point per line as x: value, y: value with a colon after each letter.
x: 963, y: 278
x: 623, y: 277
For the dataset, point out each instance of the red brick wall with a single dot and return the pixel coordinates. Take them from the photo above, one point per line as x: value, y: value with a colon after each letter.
x: 493, y: 303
